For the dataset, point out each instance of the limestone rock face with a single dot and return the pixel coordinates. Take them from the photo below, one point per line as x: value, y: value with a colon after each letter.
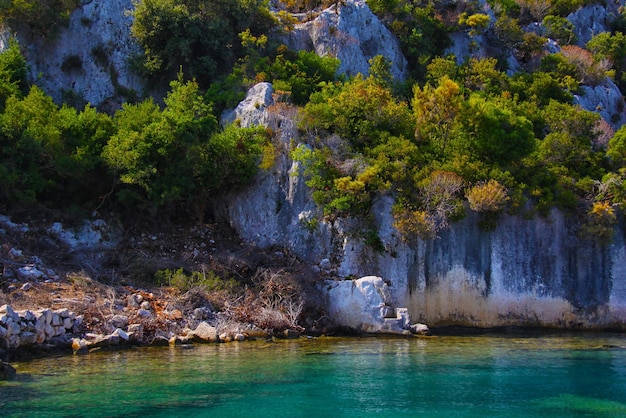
x: 251, y: 111
x: 351, y: 33
x: 536, y: 272
x: 593, y: 19
x: 605, y: 99
x: 90, y: 57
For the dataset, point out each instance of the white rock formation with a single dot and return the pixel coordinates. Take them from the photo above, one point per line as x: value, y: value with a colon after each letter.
x: 366, y: 305
x: 353, y: 34
x: 251, y: 111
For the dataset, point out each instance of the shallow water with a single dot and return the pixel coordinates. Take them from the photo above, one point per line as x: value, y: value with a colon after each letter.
x: 446, y: 376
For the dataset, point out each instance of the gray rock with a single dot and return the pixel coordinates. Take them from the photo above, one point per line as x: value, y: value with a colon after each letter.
x: 27, y: 338
x: 252, y: 110
x: 122, y: 334
x: 204, y: 333
x: 119, y: 321
x: 144, y: 313
x: 29, y: 273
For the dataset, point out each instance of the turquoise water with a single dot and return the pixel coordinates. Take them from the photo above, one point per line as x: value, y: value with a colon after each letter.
x: 447, y: 376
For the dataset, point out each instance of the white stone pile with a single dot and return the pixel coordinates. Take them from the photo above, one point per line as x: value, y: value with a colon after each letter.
x: 24, y: 328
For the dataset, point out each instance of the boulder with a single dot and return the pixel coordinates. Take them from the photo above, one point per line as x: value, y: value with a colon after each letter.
x: 419, y: 329
x: 366, y: 305
x: 204, y: 333
x: 119, y: 321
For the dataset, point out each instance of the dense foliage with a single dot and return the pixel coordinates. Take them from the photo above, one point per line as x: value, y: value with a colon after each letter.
x: 144, y: 159
x: 42, y: 17
x: 198, y: 36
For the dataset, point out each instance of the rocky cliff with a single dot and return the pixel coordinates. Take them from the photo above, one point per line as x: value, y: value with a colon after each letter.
x: 523, y: 272
x: 526, y: 272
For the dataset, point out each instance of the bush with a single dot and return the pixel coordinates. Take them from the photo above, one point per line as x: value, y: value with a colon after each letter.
x: 488, y: 196
x: 184, y: 280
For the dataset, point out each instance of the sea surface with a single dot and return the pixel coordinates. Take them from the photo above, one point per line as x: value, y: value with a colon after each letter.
x: 498, y: 375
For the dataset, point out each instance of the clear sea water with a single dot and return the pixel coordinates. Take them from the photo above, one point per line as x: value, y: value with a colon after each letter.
x: 446, y: 376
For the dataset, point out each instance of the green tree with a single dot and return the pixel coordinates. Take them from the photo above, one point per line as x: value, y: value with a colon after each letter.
x: 177, y: 155
x: 13, y: 72
x: 50, y: 155
x: 436, y: 111
x: 201, y: 36
x: 494, y: 133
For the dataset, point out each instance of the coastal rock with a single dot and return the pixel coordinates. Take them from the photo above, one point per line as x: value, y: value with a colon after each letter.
x: 365, y: 305
x: 27, y: 338
x: 419, y: 329
x: 204, y: 333
x: 136, y: 332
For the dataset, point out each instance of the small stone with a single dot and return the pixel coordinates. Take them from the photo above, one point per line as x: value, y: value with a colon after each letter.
x: 239, y: 337
x: 26, y: 287
x: 419, y: 329
x: 325, y: 264
x: 56, y: 320
x: 59, y: 330
x: 144, y: 313
x: 119, y: 321
x: 28, y: 316
x: 145, y: 305
x: 13, y: 328
x: 132, y: 302
x: 49, y: 331
x: 29, y: 273
x: 68, y: 323
x: 79, y: 345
